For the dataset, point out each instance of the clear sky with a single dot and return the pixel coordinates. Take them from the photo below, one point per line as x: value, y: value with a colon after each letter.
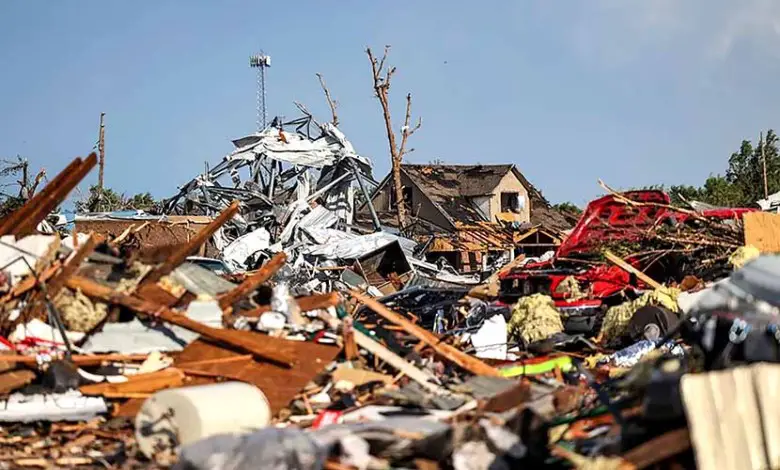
x: 634, y: 92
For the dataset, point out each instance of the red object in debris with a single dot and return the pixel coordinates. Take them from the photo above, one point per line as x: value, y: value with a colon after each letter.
x: 326, y: 418
x: 6, y: 345
x: 605, y: 220
x: 608, y: 218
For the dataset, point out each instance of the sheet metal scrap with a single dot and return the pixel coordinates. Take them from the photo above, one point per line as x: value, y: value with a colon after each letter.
x: 277, y: 174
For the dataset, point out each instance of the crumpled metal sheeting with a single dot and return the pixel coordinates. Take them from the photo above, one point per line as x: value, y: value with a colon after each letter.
x: 321, y: 169
x: 351, y: 246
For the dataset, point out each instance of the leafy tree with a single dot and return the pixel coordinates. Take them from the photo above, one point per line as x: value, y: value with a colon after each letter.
x: 567, y: 207
x: 682, y: 193
x: 109, y: 200
x: 746, y: 169
x: 743, y: 183
x: 141, y: 201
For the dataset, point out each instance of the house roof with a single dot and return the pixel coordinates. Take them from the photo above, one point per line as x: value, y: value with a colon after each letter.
x: 458, y: 180
x: 450, y: 188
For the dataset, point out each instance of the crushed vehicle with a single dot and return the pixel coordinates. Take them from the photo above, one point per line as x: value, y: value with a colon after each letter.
x: 647, y: 232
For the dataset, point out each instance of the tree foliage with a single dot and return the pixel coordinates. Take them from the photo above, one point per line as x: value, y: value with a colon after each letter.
x: 109, y: 200
x: 15, y: 174
x: 743, y: 183
x: 568, y: 207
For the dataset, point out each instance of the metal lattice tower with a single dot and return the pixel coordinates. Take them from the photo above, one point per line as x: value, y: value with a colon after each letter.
x: 260, y: 62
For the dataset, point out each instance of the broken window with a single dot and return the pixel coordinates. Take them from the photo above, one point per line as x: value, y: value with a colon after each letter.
x: 511, y: 202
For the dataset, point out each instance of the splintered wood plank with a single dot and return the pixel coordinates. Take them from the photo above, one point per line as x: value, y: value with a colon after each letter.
x: 280, y: 385
x: 762, y: 230
x: 622, y: 264
x: 254, y: 281
x: 15, y: 379
x: 54, y: 198
x: 26, y: 210
x: 142, y: 383
x: 234, y: 338
x: 469, y: 363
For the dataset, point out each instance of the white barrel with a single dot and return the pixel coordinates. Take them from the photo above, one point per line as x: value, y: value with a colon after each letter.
x: 178, y: 416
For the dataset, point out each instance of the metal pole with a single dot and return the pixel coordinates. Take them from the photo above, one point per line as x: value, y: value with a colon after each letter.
x: 374, y: 217
x: 763, y: 163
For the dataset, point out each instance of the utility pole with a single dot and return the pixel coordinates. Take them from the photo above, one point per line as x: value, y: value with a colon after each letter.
x: 763, y: 163
x: 101, y: 151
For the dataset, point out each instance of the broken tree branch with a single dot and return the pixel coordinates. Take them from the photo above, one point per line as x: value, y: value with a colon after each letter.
x: 331, y: 102
x: 406, y: 132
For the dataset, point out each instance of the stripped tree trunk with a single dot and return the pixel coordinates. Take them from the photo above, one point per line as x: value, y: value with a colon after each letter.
x: 381, y: 89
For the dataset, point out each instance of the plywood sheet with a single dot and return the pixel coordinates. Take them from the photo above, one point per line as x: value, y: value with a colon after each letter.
x: 762, y: 230
x: 279, y: 385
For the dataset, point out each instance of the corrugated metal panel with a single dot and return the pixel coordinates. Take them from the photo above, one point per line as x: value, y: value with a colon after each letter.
x: 349, y: 246
x: 318, y: 218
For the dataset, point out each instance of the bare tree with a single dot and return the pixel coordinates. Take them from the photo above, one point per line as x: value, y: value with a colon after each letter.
x: 331, y: 102
x: 382, y: 76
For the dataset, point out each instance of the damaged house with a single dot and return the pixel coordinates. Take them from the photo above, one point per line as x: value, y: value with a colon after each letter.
x: 475, y: 213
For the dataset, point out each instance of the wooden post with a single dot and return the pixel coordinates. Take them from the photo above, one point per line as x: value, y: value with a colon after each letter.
x: 102, y: 152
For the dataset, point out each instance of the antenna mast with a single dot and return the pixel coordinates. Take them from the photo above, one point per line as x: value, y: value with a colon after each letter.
x: 260, y: 62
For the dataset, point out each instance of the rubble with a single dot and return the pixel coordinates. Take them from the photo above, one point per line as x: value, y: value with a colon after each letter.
x: 323, y: 342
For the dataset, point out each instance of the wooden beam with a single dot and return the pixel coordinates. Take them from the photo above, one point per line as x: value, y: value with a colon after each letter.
x: 78, y: 359
x: 54, y: 198
x: 185, y: 250
x: 93, y: 289
x: 622, y: 264
x: 397, y: 362
x: 254, y: 281
x: 24, y: 212
x: 469, y: 363
x: 141, y: 383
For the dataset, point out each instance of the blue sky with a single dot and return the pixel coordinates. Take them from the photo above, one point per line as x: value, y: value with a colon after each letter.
x: 631, y: 91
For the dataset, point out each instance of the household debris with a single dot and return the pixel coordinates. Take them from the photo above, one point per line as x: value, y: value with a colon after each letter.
x: 307, y: 340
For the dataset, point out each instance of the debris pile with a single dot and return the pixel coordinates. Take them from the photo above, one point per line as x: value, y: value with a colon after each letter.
x: 328, y: 345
